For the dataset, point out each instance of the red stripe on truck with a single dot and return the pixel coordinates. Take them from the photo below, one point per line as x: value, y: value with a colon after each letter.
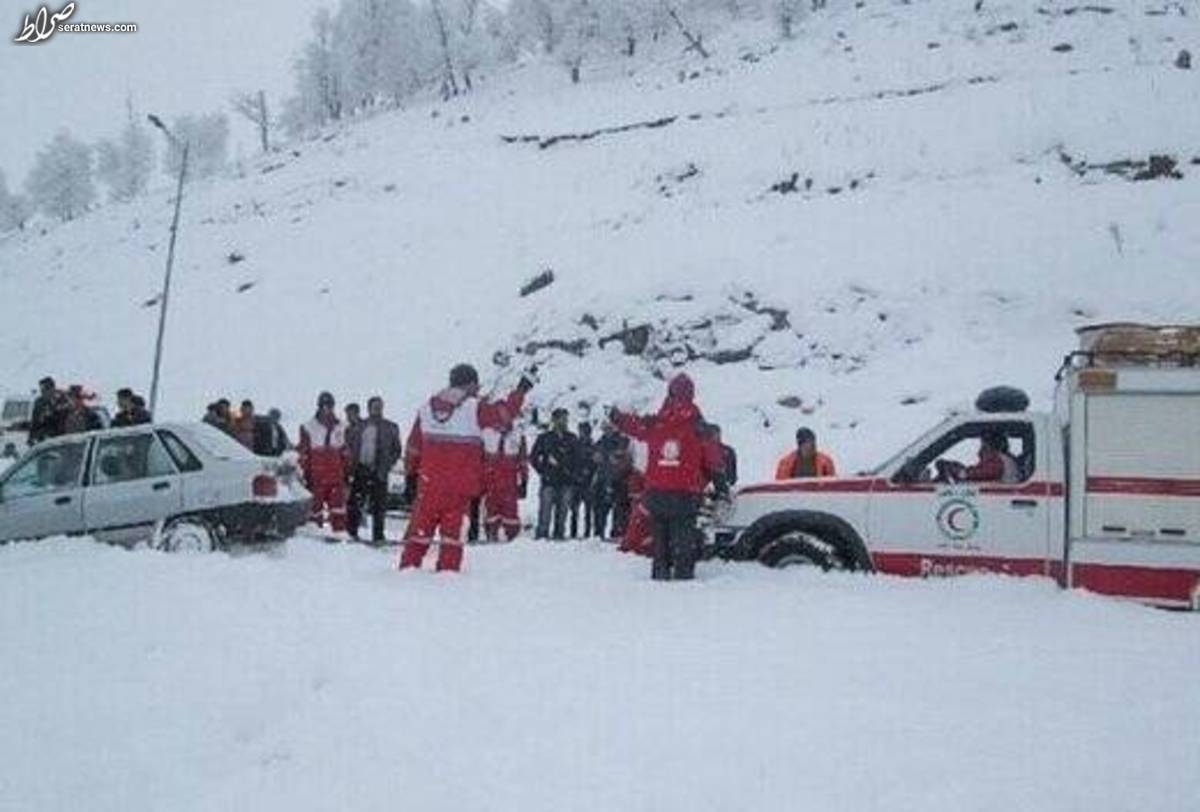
x: 936, y: 565
x: 1035, y: 488
x: 1153, y: 584
x: 1143, y: 486
x: 1174, y: 585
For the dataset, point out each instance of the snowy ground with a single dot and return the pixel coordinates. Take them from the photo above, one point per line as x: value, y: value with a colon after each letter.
x: 558, y: 677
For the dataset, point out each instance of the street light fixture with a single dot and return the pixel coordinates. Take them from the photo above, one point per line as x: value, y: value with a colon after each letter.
x: 166, y: 291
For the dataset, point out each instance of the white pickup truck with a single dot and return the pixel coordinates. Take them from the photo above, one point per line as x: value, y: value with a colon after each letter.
x: 1103, y: 493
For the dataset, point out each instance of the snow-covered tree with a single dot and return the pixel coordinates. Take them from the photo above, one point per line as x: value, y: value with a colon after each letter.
x: 124, y: 165
x: 366, y: 37
x: 320, y: 84
x: 581, y: 35
x: 15, y: 209
x: 60, y: 183
x: 787, y: 14
x: 625, y: 23
x: 208, y: 139
x: 537, y: 23
x: 253, y: 107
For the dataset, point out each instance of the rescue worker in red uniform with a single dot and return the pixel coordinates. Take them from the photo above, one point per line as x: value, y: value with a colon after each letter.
x: 505, y: 467
x: 445, y: 451
x: 637, y: 538
x: 324, y: 459
x: 682, y: 459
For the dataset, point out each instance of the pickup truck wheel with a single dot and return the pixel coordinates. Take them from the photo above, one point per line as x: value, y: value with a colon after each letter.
x: 185, y: 536
x: 801, y: 549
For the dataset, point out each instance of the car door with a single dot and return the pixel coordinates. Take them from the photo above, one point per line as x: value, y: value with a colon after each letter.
x: 132, y: 484
x: 921, y: 524
x: 42, y: 496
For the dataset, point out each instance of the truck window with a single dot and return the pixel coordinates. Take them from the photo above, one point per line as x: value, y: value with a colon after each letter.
x: 996, y: 452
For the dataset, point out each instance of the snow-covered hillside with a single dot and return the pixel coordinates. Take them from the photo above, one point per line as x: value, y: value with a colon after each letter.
x: 553, y: 677
x: 914, y: 189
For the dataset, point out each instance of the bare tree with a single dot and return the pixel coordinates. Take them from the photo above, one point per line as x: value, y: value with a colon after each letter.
x: 449, y: 82
x: 695, y: 41
x: 253, y: 107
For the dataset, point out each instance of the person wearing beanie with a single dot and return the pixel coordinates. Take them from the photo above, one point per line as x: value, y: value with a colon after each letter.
x: 805, y: 460
x: 682, y: 459
x: 445, y: 453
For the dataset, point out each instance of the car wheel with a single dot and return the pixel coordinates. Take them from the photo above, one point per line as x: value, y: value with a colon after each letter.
x: 798, y: 548
x: 185, y: 536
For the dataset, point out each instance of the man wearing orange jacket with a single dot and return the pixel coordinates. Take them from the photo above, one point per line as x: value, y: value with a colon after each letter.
x: 805, y: 460
x: 445, y: 451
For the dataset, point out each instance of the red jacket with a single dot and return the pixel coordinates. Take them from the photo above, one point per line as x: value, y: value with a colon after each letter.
x: 681, y: 456
x: 504, y: 454
x: 322, y: 450
x: 445, y: 446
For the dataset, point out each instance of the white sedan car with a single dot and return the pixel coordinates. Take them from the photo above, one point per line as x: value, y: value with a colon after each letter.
x: 176, y: 486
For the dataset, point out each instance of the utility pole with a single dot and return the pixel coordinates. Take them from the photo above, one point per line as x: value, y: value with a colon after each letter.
x: 166, y: 291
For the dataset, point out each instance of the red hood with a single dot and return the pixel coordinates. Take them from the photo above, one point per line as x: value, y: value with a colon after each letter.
x: 445, y: 403
x: 676, y: 411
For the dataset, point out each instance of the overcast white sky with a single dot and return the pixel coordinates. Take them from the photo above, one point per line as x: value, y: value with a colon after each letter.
x: 188, y: 56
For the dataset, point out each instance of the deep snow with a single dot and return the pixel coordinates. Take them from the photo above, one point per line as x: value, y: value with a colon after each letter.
x: 559, y: 677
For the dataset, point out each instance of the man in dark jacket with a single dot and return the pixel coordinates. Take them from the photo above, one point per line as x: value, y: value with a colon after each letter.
x: 611, y: 456
x: 581, y: 494
x: 555, y: 456
x: 128, y: 411
x: 49, y: 409
x: 682, y: 459
x: 728, y: 457
x: 79, y: 417
x: 374, y: 446
x: 270, y: 439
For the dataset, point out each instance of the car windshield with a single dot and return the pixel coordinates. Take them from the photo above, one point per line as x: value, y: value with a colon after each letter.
x: 218, y: 443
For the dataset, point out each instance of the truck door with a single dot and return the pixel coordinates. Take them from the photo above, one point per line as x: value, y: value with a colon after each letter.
x: 943, y: 513
x: 132, y: 484
x: 41, y: 496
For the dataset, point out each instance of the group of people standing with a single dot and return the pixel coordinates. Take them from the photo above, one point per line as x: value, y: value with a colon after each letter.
x: 262, y: 434
x: 642, y: 479
x: 71, y: 411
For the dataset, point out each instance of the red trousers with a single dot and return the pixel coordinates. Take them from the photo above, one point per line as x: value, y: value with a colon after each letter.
x: 500, y: 504
x: 638, y: 538
x: 436, y: 513
x: 329, y: 494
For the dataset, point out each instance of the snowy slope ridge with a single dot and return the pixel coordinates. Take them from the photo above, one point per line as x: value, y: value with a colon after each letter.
x: 558, y: 677
x: 932, y: 198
